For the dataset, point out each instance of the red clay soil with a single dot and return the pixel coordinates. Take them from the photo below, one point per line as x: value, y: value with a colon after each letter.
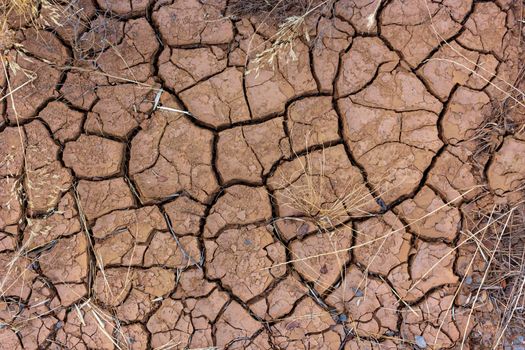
x: 159, y: 190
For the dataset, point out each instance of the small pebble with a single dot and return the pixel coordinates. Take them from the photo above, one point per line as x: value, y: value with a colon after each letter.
x: 468, y: 280
x: 420, y: 342
x: 358, y: 293
x: 303, y: 229
x: 381, y: 203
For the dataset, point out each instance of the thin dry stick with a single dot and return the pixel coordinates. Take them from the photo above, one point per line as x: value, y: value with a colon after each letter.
x: 483, y: 78
x: 80, y: 69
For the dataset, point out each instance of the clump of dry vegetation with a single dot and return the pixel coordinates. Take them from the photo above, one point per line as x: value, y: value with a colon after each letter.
x: 494, y: 281
x: 290, y: 30
x: 17, y: 13
x: 309, y: 191
x: 505, y: 282
x: 277, y: 11
x: 290, y: 18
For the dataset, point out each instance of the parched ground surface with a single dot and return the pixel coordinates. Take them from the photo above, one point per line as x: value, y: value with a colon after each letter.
x: 156, y: 188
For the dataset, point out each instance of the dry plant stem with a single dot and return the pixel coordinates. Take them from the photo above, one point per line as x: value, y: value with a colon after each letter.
x: 91, y: 71
x: 16, y: 89
x: 98, y: 314
x: 29, y: 11
x: 101, y: 319
x: 517, y: 99
x: 10, y: 94
x: 310, y: 200
x: 446, y: 255
x: 101, y: 325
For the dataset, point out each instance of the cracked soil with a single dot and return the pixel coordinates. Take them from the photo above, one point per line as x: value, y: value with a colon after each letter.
x: 159, y: 192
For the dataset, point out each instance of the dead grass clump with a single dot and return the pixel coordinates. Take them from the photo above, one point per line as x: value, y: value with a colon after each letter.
x: 25, y: 13
x: 505, y: 281
x: 496, y: 294
x: 291, y: 29
x: 26, y: 9
x: 16, y: 14
x: 309, y: 191
x: 506, y: 118
x: 290, y: 18
x: 276, y: 11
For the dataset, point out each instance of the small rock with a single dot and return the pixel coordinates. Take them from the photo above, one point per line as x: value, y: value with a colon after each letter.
x: 382, y: 204
x: 303, y: 229
x: 420, y: 342
x: 358, y: 292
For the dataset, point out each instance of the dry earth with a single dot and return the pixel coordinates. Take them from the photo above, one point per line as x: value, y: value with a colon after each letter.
x: 126, y: 224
